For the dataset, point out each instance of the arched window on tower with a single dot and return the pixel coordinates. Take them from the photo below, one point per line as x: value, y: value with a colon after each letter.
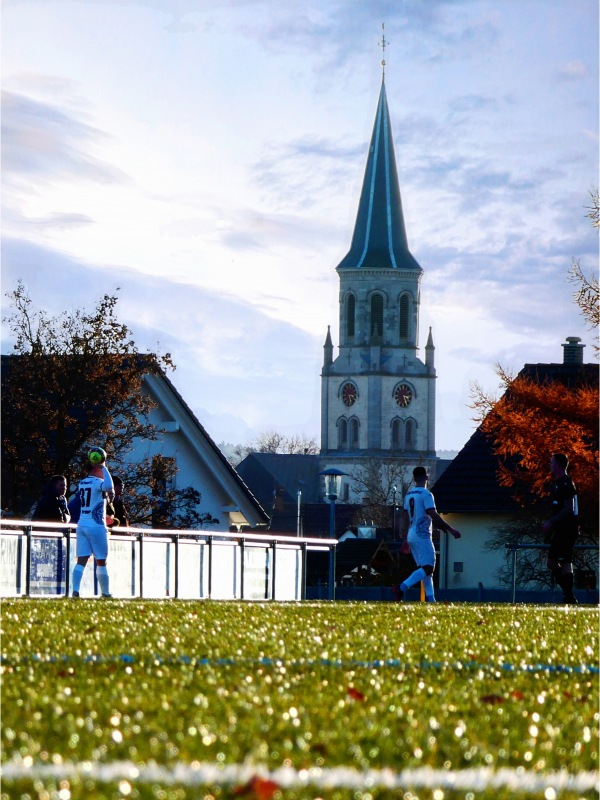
x: 350, y: 315
x: 397, y: 434
x: 404, y: 316
x: 342, y: 433
x: 410, y: 434
x: 354, y: 429
x: 376, y: 318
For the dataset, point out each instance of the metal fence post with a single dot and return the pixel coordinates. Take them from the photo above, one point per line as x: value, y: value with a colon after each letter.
x: 68, y: 563
x: 304, y: 550
x: 210, y: 565
x: 176, y: 540
x: 332, y: 573
x: 514, y: 586
x: 27, y: 561
x: 242, y: 566
x: 141, y: 538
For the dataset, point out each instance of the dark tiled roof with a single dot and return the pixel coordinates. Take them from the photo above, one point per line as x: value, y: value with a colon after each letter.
x: 268, y: 474
x: 568, y: 374
x: 470, y: 482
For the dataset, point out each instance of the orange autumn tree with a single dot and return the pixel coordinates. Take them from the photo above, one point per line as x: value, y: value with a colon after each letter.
x: 534, y: 419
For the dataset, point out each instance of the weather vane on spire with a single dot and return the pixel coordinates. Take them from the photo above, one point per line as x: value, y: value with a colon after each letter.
x: 383, y: 44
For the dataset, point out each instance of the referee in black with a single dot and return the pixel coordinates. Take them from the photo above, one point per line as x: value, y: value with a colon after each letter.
x: 562, y: 528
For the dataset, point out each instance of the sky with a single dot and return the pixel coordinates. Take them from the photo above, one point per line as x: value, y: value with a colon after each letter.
x: 203, y: 159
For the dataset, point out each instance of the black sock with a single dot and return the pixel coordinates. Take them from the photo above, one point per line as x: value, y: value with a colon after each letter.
x: 559, y: 578
x: 567, y: 583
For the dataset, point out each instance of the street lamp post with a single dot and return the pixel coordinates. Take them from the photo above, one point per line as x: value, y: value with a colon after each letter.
x: 333, y: 484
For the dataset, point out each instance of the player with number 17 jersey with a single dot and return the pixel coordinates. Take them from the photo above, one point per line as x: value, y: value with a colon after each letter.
x: 92, y: 493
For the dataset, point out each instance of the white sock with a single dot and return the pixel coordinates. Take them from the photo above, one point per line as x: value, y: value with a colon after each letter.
x: 102, y: 574
x: 418, y: 575
x: 78, y: 571
x: 429, y: 592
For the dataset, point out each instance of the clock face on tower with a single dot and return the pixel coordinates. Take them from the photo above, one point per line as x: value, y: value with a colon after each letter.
x: 403, y: 395
x: 349, y: 394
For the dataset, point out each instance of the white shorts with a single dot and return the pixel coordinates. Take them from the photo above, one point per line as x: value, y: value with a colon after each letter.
x: 92, y: 540
x: 422, y: 551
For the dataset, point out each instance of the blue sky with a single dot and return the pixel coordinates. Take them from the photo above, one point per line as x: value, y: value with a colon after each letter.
x: 206, y: 157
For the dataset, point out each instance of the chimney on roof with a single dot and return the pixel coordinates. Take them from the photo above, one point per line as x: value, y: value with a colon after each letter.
x: 573, y: 350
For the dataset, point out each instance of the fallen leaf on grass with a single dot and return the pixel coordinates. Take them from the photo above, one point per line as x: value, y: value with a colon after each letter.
x: 355, y: 694
x: 492, y: 698
x: 257, y: 789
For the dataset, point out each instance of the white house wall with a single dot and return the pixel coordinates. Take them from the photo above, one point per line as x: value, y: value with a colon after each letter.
x: 198, y: 464
x: 479, y: 565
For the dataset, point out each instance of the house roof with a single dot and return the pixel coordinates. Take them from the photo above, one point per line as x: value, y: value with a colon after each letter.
x: 567, y: 374
x: 275, y: 474
x: 160, y: 385
x: 260, y: 515
x: 379, y: 238
x: 470, y: 482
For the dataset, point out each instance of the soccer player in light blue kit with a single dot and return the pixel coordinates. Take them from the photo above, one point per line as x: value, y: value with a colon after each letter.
x: 92, y: 533
x: 419, y: 507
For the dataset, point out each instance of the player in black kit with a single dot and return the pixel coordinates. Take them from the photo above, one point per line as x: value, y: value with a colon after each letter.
x: 562, y: 528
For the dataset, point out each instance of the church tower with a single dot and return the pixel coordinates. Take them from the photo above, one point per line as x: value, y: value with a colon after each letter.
x: 378, y: 395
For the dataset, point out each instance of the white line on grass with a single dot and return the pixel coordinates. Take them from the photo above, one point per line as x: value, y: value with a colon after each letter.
x: 196, y: 774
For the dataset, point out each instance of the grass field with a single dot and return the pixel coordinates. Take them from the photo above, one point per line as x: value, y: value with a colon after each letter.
x: 181, y: 699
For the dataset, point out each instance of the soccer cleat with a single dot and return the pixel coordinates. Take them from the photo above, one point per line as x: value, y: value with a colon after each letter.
x: 398, y: 593
x: 107, y: 596
x: 570, y: 600
x: 76, y: 595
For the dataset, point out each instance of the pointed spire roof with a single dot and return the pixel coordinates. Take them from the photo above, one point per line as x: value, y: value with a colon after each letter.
x: 379, y: 238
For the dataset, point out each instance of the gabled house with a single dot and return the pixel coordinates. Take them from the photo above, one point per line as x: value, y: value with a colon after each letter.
x: 471, y: 499
x: 199, y: 461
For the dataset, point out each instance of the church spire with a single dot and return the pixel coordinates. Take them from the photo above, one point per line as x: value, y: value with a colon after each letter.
x: 379, y: 239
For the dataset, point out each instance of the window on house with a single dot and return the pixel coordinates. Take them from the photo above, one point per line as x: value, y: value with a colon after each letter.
x: 350, y: 314
x: 376, y: 316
